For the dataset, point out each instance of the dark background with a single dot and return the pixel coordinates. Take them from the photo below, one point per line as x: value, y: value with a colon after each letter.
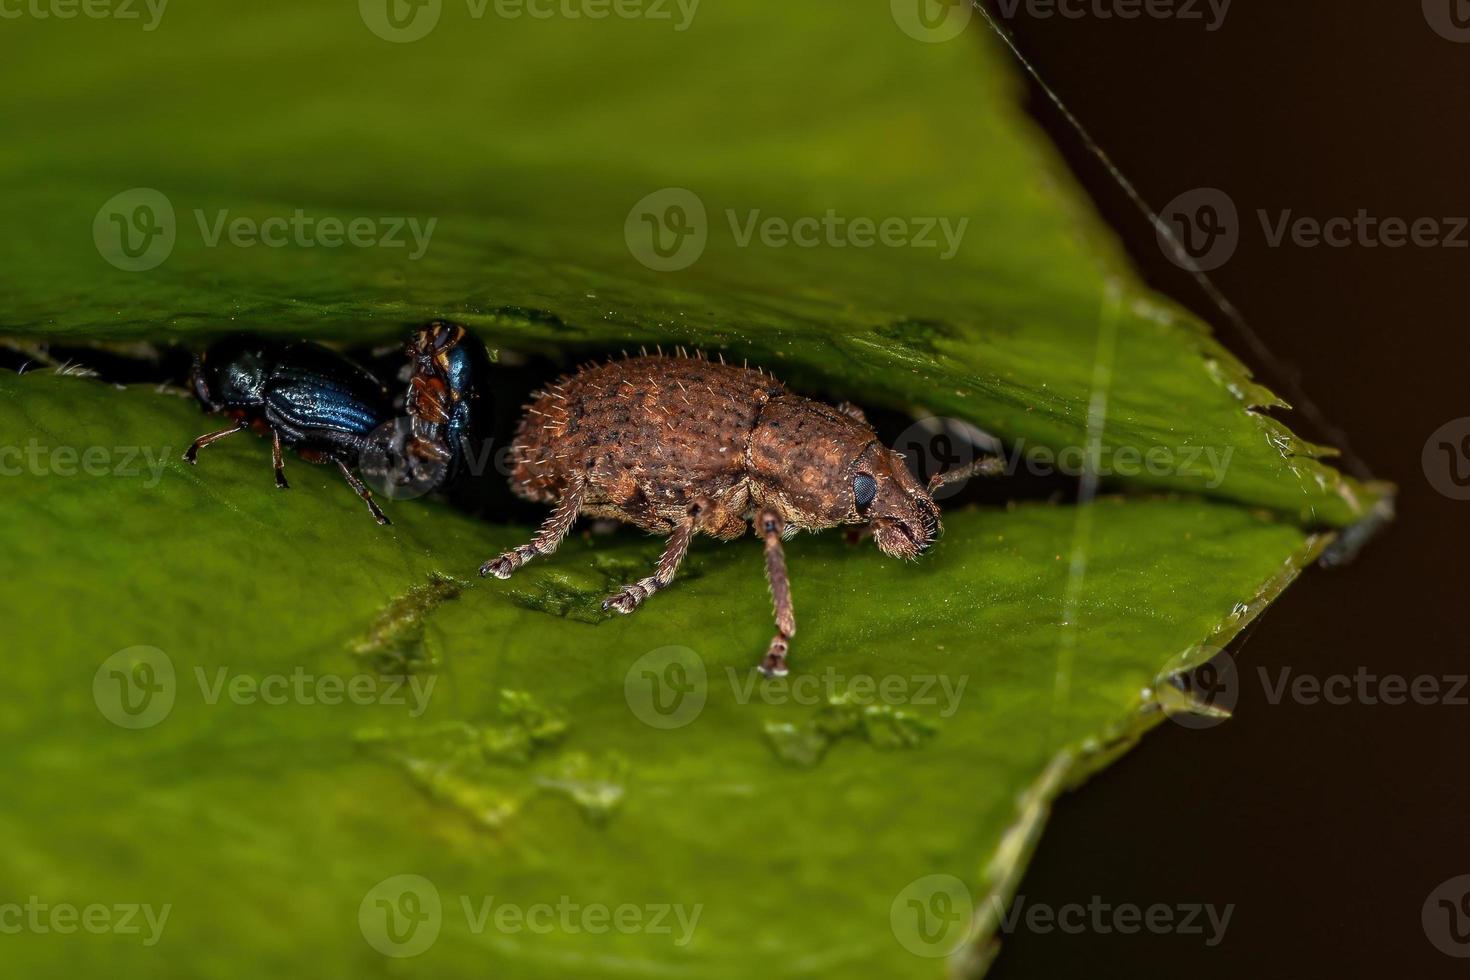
x: 1327, y: 826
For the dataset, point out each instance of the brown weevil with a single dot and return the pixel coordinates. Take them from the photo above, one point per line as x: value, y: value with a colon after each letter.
x: 685, y: 445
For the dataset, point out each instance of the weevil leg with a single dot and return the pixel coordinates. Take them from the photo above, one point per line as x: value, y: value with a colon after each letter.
x: 770, y: 525
x: 546, y: 540
x: 631, y: 596
x: 987, y: 466
x: 852, y: 412
x: 277, y: 462
x: 362, y: 491
x: 191, y: 454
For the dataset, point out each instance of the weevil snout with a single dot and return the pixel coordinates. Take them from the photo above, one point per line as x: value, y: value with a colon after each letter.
x: 903, y: 516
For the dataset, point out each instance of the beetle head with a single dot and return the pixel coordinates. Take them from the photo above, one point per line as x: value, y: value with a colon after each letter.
x: 231, y: 373
x: 903, y: 516
x: 820, y: 467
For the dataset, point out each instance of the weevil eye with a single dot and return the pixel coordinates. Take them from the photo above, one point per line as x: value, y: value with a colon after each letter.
x: 864, y: 489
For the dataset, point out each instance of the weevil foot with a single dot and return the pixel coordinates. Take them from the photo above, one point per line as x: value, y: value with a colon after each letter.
x: 501, y: 567
x: 774, y: 665
x: 630, y: 597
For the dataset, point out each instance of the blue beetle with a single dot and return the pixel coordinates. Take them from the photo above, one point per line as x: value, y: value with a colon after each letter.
x: 304, y: 395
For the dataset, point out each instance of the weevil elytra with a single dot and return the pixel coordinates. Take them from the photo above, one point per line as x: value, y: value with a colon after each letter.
x: 684, y: 445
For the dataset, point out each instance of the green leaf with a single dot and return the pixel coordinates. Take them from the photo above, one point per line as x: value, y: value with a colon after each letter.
x: 562, y: 757
x: 528, y: 143
x: 934, y: 711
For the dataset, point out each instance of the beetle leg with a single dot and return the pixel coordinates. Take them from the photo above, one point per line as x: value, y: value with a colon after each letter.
x: 546, y: 539
x: 276, y: 460
x: 852, y: 412
x: 363, y: 492
x: 192, y: 452
x: 631, y: 596
x: 770, y: 525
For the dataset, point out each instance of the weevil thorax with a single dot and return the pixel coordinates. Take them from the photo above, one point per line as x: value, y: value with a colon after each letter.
x: 820, y: 468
